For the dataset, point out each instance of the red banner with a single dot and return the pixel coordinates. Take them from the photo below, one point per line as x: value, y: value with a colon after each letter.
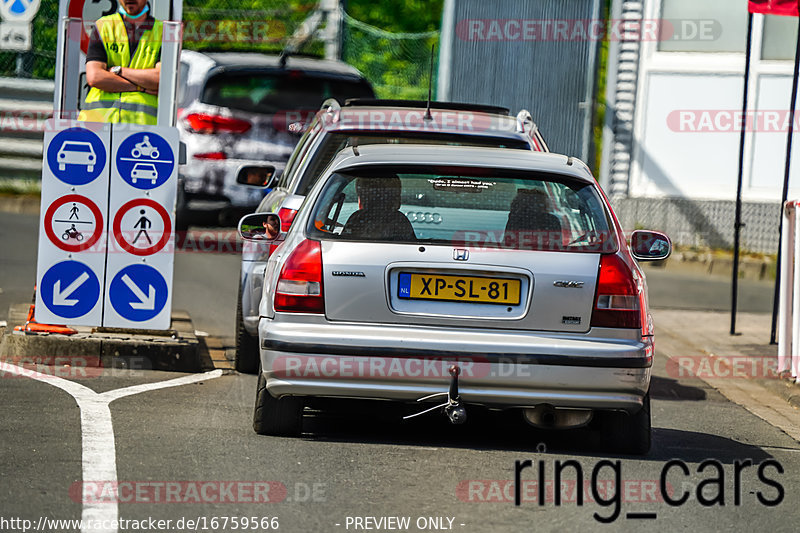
x: 787, y: 8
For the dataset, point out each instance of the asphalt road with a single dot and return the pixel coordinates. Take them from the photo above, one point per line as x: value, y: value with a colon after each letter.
x: 357, y: 460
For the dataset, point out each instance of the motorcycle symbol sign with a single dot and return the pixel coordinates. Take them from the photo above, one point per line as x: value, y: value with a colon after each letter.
x: 145, y: 160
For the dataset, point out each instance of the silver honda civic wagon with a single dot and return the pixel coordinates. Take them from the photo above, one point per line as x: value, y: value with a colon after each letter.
x: 445, y: 277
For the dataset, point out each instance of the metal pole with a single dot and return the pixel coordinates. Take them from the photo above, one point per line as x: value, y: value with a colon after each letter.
x: 737, y: 225
x: 784, y: 197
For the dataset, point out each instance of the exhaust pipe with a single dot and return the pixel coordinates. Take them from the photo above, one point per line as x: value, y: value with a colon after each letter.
x: 545, y: 416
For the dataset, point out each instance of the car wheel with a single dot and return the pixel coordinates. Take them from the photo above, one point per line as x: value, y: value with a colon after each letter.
x: 630, y: 434
x: 90, y: 168
x: 246, y: 357
x: 276, y: 416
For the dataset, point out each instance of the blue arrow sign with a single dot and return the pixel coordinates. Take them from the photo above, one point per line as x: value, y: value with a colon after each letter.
x: 145, y: 160
x: 69, y: 289
x: 138, y: 292
x: 76, y: 156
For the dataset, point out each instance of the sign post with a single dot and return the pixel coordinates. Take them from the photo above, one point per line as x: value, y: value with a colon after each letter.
x: 106, y: 240
x: 144, y: 176
x: 72, y: 245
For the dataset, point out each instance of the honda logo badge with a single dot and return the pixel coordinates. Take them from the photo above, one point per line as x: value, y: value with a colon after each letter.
x: 460, y: 254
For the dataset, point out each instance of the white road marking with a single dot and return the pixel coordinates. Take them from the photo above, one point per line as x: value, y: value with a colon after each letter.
x: 99, y: 458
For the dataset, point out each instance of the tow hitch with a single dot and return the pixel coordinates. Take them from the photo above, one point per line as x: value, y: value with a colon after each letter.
x: 453, y: 407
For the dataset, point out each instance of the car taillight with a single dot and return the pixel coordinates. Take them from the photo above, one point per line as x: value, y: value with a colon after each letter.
x: 287, y: 217
x: 299, y: 287
x: 618, y: 303
x: 215, y: 156
x: 205, y: 123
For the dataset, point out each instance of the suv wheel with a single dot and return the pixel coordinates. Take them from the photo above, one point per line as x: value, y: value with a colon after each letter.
x: 281, y: 417
x: 246, y: 357
x: 630, y: 434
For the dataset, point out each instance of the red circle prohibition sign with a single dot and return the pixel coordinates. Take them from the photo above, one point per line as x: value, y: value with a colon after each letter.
x: 98, y: 223
x: 117, y: 228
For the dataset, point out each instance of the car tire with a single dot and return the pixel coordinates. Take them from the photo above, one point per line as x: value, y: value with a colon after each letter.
x: 282, y: 417
x: 246, y: 356
x: 630, y: 434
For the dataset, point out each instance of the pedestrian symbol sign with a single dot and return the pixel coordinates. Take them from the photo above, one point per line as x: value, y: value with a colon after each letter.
x: 73, y: 223
x: 138, y: 293
x: 145, y: 160
x: 76, y: 156
x: 142, y: 227
x: 69, y: 289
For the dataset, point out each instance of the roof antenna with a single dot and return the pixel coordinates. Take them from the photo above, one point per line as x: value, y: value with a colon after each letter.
x: 430, y: 86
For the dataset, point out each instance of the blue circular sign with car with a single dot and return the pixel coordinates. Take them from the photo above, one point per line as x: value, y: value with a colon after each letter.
x: 145, y: 160
x: 76, y: 156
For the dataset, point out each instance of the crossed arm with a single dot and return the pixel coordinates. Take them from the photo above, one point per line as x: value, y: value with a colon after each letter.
x: 129, y: 80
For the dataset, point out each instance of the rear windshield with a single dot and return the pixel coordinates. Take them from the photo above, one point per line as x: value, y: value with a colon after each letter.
x: 460, y: 206
x: 335, y: 142
x: 282, y: 91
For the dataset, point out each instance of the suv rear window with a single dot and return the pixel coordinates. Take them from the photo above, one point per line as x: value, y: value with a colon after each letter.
x: 272, y: 92
x: 335, y: 142
x: 463, y: 206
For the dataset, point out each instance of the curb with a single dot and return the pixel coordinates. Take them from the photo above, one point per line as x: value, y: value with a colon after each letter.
x: 784, y: 387
x: 177, y: 349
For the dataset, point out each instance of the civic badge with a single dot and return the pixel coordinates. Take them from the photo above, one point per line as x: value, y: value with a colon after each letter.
x: 460, y: 254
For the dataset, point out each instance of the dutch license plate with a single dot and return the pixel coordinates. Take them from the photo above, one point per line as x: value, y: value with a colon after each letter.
x: 458, y: 288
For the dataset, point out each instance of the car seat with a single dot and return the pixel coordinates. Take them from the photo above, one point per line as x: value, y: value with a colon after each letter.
x: 530, y: 225
x: 379, y: 216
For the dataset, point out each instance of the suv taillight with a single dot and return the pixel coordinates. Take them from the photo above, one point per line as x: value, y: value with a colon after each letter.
x: 205, y: 123
x: 287, y: 217
x: 299, y: 287
x: 618, y: 303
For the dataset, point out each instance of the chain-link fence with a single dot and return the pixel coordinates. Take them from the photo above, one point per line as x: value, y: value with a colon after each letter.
x: 39, y: 62
x: 397, y: 64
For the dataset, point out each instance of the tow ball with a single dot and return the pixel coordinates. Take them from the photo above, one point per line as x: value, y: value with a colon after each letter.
x: 452, y: 408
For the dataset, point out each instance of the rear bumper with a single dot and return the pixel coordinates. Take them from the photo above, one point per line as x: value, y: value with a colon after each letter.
x: 599, y: 370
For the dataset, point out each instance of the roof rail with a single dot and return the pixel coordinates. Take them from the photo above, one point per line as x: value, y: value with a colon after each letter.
x: 524, y: 121
x: 333, y: 107
x: 525, y: 124
x: 455, y: 106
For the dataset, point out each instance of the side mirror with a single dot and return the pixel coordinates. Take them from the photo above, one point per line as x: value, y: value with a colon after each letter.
x: 256, y: 176
x: 650, y: 245
x: 263, y: 227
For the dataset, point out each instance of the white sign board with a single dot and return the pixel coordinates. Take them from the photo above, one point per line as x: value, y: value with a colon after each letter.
x: 144, y: 175
x: 15, y: 36
x: 72, y: 231
x: 18, y: 10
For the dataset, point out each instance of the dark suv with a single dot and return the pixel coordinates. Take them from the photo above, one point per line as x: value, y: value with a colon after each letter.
x: 234, y: 109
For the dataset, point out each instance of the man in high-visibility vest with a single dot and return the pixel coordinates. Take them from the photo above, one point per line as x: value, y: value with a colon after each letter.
x: 123, y: 66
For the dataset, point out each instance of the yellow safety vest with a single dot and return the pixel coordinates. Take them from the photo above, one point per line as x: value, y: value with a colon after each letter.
x: 129, y: 107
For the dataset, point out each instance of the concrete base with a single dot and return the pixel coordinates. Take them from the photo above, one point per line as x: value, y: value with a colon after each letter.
x: 177, y: 349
